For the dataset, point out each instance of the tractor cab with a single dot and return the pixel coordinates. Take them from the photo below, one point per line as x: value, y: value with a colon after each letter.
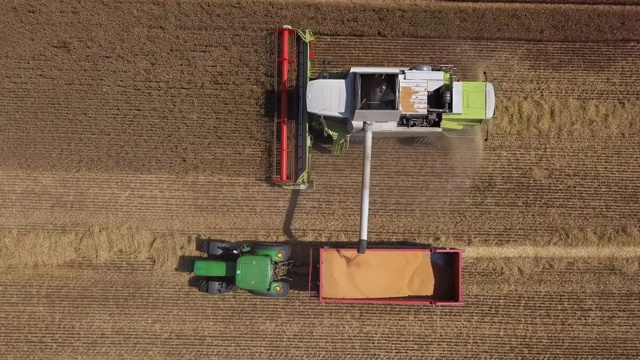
x: 253, y: 272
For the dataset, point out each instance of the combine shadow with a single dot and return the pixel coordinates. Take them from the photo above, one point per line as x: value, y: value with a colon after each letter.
x: 302, y: 253
x: 269, y: 106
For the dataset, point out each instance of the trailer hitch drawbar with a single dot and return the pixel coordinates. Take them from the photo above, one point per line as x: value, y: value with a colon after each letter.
x: 364, y: 201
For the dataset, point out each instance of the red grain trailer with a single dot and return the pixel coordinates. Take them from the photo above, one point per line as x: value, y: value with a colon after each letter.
x: 387, y: 275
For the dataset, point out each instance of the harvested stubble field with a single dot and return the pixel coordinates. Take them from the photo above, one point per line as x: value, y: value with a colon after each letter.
x: 127, y: 127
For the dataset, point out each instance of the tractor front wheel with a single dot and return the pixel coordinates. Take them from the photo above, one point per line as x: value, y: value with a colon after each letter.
x: 285, y: 249
x: 273, y: 294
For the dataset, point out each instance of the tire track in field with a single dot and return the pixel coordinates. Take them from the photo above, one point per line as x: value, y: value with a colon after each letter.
x: 593, y: 252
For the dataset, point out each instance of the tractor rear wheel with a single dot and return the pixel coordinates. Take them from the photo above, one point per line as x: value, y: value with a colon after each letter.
x: 217, y: 247
x: 214, y: 287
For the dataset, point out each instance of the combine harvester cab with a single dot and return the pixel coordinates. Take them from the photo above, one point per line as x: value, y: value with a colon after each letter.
x: 389, y: 275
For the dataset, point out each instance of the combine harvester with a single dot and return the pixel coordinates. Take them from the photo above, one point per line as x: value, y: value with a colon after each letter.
x: 359, y: 103
x: 397, y: 102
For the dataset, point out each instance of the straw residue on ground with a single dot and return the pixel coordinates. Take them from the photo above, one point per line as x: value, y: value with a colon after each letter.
x: 99, y: 243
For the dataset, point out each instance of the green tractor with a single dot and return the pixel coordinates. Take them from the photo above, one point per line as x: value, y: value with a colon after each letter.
x: 255, y: 267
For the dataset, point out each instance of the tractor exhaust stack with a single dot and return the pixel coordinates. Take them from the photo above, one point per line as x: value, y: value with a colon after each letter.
x: 364, y: 202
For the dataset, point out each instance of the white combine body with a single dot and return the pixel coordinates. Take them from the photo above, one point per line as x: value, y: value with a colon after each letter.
x: 400, y: 102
